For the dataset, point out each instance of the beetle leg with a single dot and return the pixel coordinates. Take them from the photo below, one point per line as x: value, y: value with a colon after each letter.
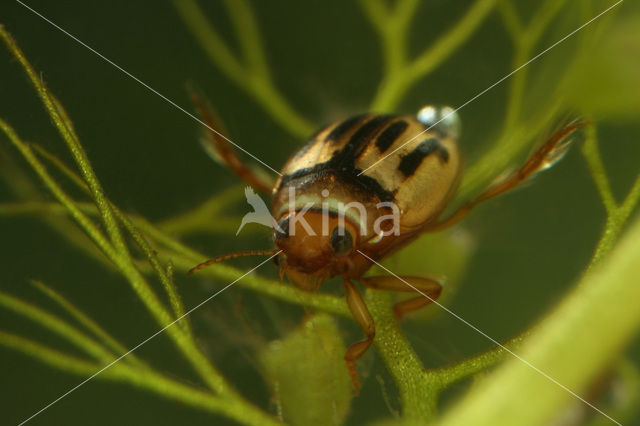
x: 429, y: 288
x: 363, y: 317
x: 220, y: 148
x: 544, y: 157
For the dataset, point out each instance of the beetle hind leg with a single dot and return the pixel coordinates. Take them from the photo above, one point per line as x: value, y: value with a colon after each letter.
x: 548, y: 154
x: 428, y: 288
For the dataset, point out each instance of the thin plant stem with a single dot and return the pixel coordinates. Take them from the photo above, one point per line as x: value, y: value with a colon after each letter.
x: 417, y: 393
x: 401, y: 73
x: 252, y: 77
x: 117, y: 253
x: 71, y: 140
x: 591, y: 154
x: 524, y: 41
x: 22, y: 185
x: 574, y: 327
x: 85, y: 223
x: 186, y: 258
x: 617, y: 214
x: 144, y: 379
x: 88, y: 323
x: 202, y: 217
x: 418, y: 388
x: 446, y: 376
x: 57, y: 326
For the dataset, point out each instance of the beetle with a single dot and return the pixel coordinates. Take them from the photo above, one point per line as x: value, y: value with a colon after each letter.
x: 410, y: 165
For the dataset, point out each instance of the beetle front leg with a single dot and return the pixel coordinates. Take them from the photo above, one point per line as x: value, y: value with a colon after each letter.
x: 221, y: 148
x: 429, y: 288
x: 361, y: 314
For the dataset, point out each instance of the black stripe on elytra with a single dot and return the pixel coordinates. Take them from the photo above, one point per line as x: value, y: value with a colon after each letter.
x: 343, y: 128
x: 367, y: 183
x: 372, y: 186
x: 410, y: 162
x: 342, y: 162
x: 358, y: 142
x: 390, y: 134
x: 443, y: 154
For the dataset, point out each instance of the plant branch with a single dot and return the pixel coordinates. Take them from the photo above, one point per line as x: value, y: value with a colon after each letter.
x: 150, y: 380
x: 117, y: 253
x: 253, y: 77
x: 591, y: 154
x: 400, y: 74
x: 88, y: 323
x: 574, y: 327
x: 617, y: 214
x: 201, y: 218
x: 57, y: 326
x: 446, y: 376
x: 69, y: 136
x: 417, y: 393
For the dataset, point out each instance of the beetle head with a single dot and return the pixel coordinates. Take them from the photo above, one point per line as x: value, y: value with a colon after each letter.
x: 316, y: 243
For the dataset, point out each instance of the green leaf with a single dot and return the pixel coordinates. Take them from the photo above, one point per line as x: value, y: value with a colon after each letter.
x: 307, y: 373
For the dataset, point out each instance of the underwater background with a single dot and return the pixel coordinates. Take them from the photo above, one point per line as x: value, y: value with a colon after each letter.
x: 509, y: 263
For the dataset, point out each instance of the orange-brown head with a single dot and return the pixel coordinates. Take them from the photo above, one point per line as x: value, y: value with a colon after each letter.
x: 315, y: 243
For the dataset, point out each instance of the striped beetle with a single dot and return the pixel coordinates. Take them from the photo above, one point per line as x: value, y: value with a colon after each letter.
x: 339, y: 164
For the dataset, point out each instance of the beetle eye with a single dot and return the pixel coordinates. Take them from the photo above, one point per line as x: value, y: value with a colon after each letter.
x: 341, y: 240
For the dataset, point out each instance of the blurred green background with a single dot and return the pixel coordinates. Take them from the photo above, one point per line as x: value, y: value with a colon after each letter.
x: 530, y: 246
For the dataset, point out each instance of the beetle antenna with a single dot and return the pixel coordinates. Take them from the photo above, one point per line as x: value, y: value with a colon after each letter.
x: 231, y: 256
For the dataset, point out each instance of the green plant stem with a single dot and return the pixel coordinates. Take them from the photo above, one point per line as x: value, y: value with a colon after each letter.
x: 204, y: 216
x: 83, y: 221
x: 511, y: 20
x: 145, y: 379
x: 117, y: 253
x: 617, y: 214
x: 516, y: 133
x: 185, y: 258
x: 88, y: 323
x: 419, y: 388
x: 614, y: 226
x: 574, y: 327
x: 183, y: 342
x: 392, y: 25
x: 446, y: 376
x: 167, y: 282
x: 508, y: 147
x: 524, y: 41
x: 72, y: 142
x: 24, y: 188
x: 417, y: 393
x: 248, y: 34
x: 252, y: 77
x: 288, y: 293
x: 126, y: 266
x: 401, y: 74
x: 591, y: 154
x: 57, y: 326
x: 42, y: 208
x: 169, y: 287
